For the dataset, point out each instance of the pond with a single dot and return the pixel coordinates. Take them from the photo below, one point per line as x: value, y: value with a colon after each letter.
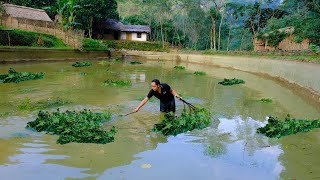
x: 229, y: 149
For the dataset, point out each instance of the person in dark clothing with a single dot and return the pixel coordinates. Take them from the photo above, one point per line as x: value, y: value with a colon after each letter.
x: 164, y: 93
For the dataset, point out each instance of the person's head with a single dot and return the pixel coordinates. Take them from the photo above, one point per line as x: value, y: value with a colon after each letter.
x: 155, y: 84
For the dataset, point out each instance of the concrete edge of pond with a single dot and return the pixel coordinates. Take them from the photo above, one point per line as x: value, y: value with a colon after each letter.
x: 21, y: 55
x: 294, y: 75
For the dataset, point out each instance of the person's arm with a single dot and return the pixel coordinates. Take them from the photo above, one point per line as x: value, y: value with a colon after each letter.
x: 143, y: 102
x: 175, y: 94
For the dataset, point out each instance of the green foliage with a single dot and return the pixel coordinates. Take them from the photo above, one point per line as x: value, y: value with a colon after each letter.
x: 277, y: 129
x: 72, y: 126
x: 33, y: 39
x: 94, y: 45
x: 15, y: 77
x: 314, y: 48
x: 135, y: 62
x: 274, y: 37
x: 229, y: 82
x: 111, y: 82
x: 136, y: 45
x: 188, y: 121
x: 82, y: 64
x: 180, y: 67
x: 266, y: 100
x: 199, y: 73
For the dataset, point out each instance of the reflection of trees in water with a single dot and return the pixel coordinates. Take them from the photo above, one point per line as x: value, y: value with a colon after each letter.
x: 246, y: 131
x: 214, y: 141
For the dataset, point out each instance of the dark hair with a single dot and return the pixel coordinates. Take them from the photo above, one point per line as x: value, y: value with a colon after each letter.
x: 156, y: 81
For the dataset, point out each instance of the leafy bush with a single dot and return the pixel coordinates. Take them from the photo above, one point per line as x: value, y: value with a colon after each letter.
x: 277, y: 129
x: 93, y: 44
x: 82, y: 64
x: 15, y: 77
x: 229, y: 82
x: 111, y: 82
x: 72, y: 126
x: 188, y: 121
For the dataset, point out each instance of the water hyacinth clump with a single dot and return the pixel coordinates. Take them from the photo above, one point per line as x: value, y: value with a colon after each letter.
x: 187, y: 121
x: 229, y: 82
x: 15, y: 77
x: 199, y: 73
x: 72, y: 126
x: 266, y: 100
x: 180, y: 67
x: 135, y: 62
x: 277, y: 129
x: 111, y: 82
x: 82, y: 64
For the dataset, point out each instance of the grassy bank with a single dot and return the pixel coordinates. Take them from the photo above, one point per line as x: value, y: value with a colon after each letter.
x: 103, y: 45
x: 301, y: 56
x: 26, y: 39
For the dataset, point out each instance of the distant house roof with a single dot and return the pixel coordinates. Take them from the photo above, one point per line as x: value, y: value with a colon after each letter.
x: 26, y: 12
x: 118, y: 26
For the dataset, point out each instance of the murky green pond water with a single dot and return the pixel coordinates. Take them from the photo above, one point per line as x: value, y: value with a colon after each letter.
x: 228, y: 149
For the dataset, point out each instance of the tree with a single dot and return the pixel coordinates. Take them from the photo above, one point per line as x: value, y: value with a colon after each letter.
x: 91, y: 14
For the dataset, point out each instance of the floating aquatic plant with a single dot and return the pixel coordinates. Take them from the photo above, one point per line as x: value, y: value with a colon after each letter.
x: 135, y: 62
x: 187, y: 121
x: 199, y: 73
x: 266, y: 100
x: 71, y: 126
x: 82, y: 64
x: 229, y: 82
x: 111, y: 82
x: 180, y: 67
x: 15, y: 77
x: 277, y: 129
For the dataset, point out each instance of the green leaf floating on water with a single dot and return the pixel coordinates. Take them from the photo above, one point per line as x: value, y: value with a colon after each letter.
x: 229, y: 82
x: 277, y: 129
x: 135, y: 62
x: 188, y: 121
x: 180, y: 67
x: 82, y: 64
x: 15, y: 77
x: 199, y: 73
x: 72, y: 126
x: 111, y: 82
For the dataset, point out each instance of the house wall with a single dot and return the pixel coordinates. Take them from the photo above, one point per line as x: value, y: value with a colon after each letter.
x: 133, y: 36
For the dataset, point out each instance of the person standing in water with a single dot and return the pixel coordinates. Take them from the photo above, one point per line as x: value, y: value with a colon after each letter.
x: 164, y: 93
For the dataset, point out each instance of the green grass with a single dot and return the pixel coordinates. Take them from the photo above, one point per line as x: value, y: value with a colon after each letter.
x: 137, y: 45
x: 22, y: 39
x: 269, y: 55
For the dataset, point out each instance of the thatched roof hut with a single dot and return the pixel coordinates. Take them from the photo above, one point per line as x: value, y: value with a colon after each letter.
x: 22, y: 12
x: 118, y: 26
